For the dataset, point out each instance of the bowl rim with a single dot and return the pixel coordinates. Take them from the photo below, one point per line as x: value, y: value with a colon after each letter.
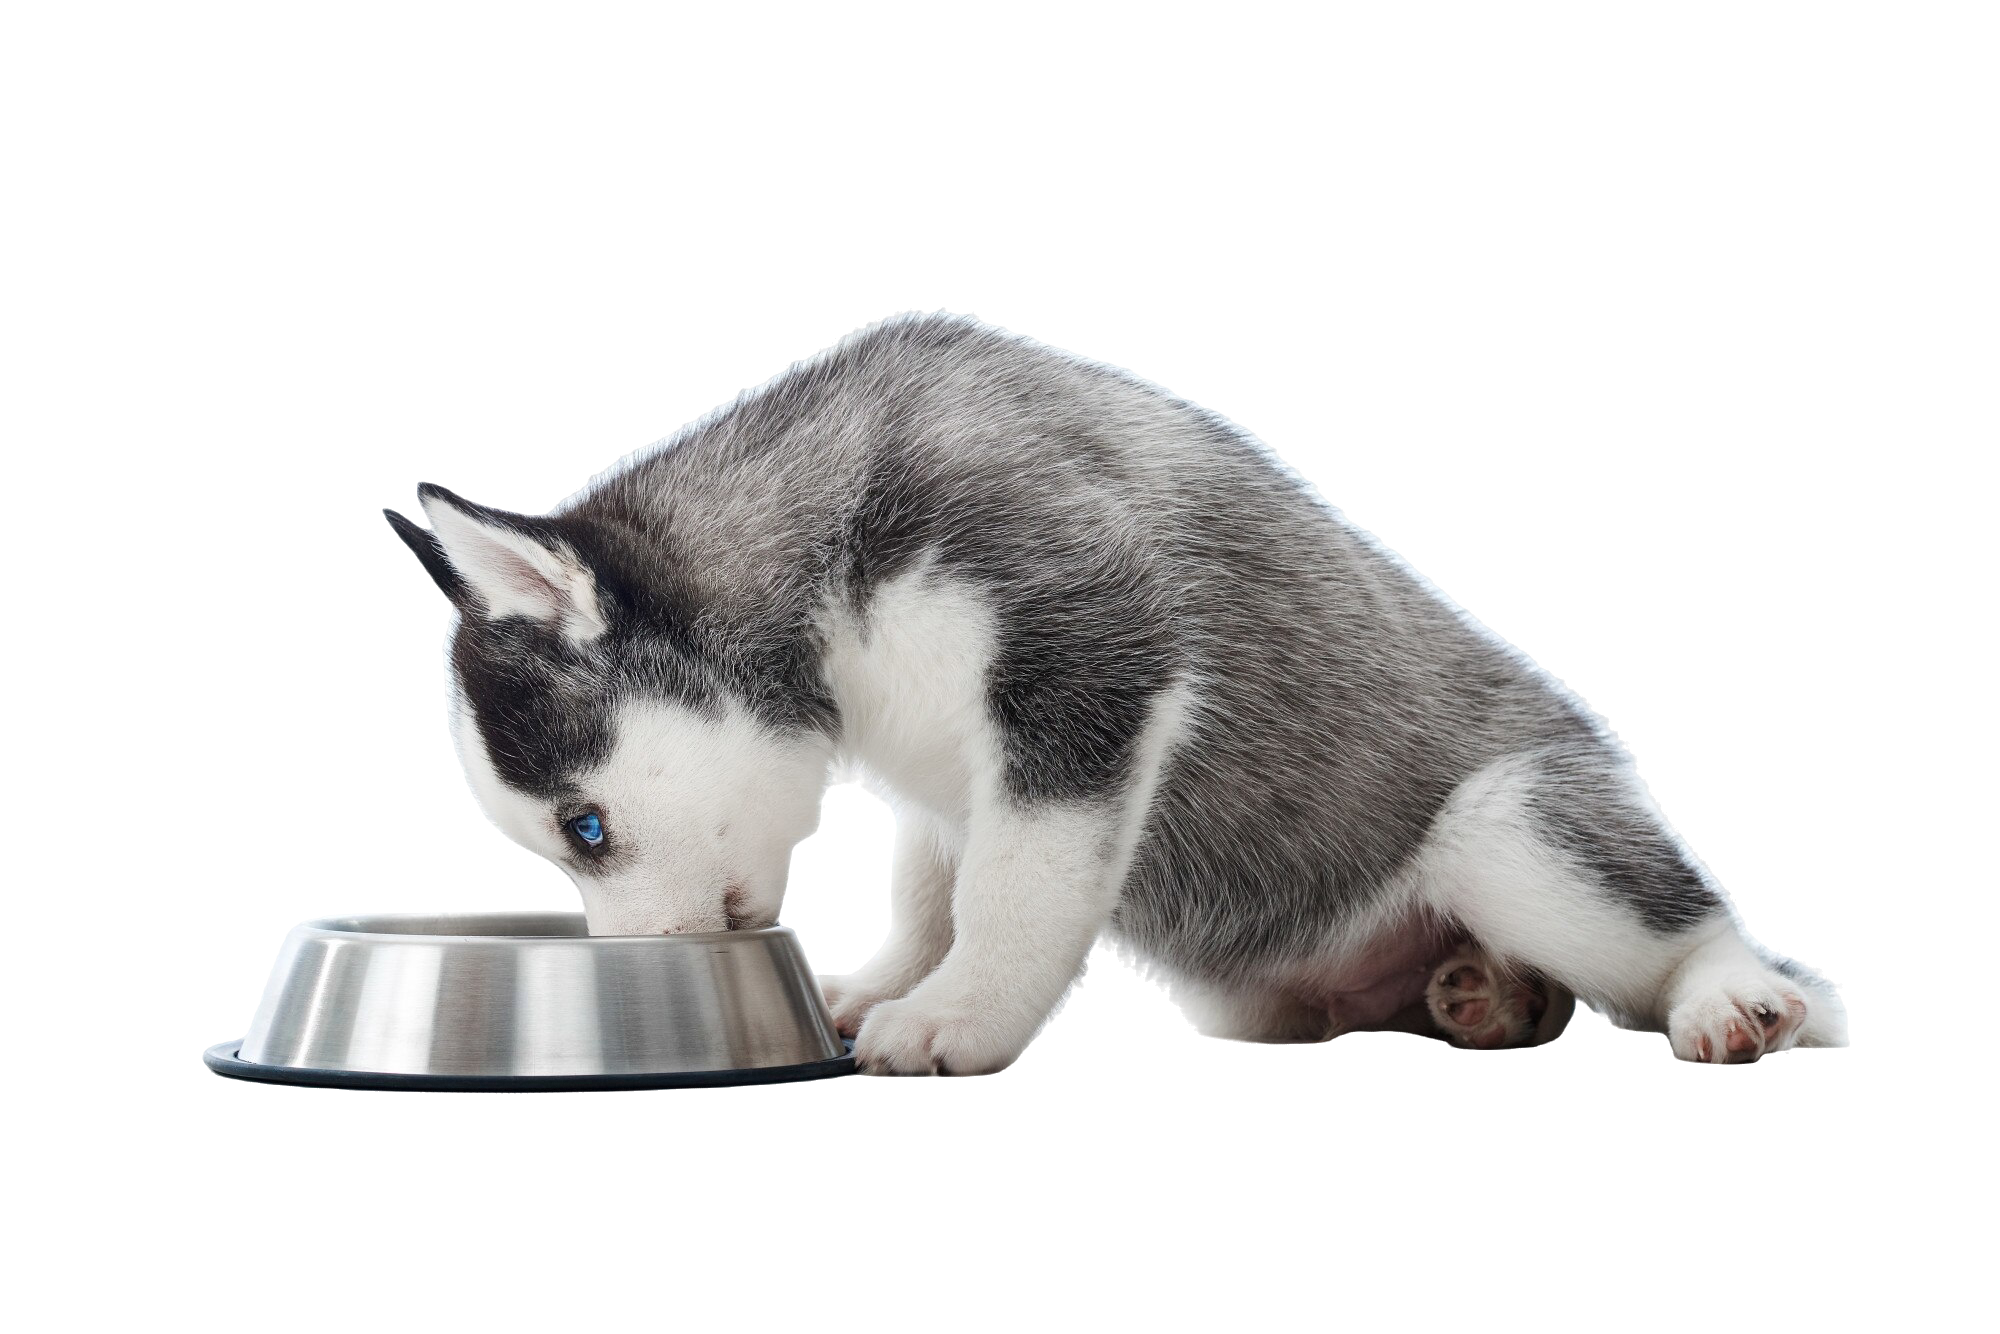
x: 336, y: 928
x: 225, y: 1059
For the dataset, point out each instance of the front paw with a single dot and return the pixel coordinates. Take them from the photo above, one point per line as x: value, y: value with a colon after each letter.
x: 911, y: 1037
x: 851, y: 997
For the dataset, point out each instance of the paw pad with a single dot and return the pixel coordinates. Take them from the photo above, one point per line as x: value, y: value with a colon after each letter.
x: 1476, y: 1005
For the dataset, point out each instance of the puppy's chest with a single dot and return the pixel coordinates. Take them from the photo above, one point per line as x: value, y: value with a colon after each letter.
x: 909, y: 672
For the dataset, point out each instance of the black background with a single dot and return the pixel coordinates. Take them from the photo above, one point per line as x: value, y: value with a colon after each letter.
x: 1627, y: 465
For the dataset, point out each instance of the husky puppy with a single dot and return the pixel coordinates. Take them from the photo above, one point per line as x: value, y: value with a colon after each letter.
x: 1119, y: 671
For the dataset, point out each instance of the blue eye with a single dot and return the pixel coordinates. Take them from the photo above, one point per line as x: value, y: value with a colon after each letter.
x: 588, y: 828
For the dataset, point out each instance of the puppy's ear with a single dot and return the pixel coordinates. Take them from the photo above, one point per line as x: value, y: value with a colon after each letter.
x: 419, y: 543
x: 504, y: 564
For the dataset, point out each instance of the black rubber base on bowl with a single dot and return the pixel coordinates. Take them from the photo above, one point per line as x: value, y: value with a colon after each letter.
x: 222, y: 1059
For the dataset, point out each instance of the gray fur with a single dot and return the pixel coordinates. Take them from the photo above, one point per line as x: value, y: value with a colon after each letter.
x: 1127, y: 539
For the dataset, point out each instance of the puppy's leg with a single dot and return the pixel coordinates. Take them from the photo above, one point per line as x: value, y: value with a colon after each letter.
x: 1728, y: 1004
x: 1035, y: 888
x: 920, y: 932
x: 1040, y: 874
x: 1557, y: 864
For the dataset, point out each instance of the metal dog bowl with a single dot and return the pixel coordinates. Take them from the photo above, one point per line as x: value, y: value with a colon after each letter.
x: 520, y: 1001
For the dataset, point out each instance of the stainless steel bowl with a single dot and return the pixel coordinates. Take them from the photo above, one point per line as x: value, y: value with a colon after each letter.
x: 511, y: 1001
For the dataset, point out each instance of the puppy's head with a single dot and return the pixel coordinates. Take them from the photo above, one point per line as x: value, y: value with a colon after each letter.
x: 594, y: 740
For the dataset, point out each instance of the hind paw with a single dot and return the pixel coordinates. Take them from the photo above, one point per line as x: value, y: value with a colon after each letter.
x: 1478, y: 1004
x: 1736, y: 1023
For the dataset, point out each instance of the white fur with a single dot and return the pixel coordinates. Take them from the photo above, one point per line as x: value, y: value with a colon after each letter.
x: 708, y: 803
x: 1066, y: 495
x: 1482, y: 866
x: 920, y: 927
x: 692, y: 806
x: 1524, y: 903
x: 910, y: 674
x: 995, y: 906
x: 1723, y: 986
x: 515, y: 575
x: 1033, y: 892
